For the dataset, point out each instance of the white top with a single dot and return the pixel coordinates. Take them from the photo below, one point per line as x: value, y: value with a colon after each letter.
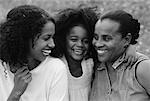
x: 49, y: 82
x: 79, y: 87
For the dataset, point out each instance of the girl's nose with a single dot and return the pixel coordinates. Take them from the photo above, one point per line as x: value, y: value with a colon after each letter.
x: 80, y: 43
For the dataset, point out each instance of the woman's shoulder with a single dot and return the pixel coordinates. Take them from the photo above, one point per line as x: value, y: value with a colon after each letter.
x: 53, y: 59
x: 143, y: 74
x: 143, y: 67
x: 55, y: 62
x: 143, y: 64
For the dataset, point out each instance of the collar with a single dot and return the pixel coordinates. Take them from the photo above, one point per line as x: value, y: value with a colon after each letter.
x: 88, y: 61
x: 120, y: 60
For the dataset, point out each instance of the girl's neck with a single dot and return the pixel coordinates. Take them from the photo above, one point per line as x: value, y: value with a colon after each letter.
x: 75, y: 67
x: 72, y: 61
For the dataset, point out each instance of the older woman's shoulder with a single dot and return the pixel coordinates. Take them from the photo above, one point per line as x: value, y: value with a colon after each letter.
x: 143, y: 74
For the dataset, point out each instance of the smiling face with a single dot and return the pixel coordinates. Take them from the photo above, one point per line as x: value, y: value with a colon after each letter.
x: 43, y: 44
x: 77, y: 43
x: 108, y: 41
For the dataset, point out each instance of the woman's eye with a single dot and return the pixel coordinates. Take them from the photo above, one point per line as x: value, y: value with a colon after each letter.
x: 107, y: 38
x: 46, y: 38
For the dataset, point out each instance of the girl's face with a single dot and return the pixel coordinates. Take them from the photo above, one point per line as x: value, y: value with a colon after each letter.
x: 43, y: 44
x: 77, y: 43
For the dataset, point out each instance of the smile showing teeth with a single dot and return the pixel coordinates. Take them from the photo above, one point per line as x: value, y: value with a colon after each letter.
x: 78, y: 52
x: 101, y: 51
x: 46, y: 52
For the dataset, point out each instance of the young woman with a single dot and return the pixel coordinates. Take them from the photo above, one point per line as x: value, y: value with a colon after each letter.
x: 74, y: 33
x: 27, y: 72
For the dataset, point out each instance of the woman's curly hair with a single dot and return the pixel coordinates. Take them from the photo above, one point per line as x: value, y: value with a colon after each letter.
x: 70, y: 17
x: 22, y: 24
x: 128, y: 24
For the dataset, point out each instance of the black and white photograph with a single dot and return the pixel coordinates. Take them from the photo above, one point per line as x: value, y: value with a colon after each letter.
x: 74, y: 50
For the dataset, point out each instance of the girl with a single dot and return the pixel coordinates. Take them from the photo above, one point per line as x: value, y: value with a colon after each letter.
x: 74, y: 33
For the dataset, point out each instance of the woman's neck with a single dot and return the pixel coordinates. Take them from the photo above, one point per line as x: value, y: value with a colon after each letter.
x: 33, y: 63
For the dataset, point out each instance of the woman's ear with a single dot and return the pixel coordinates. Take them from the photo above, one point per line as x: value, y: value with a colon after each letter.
x: 128, y: 39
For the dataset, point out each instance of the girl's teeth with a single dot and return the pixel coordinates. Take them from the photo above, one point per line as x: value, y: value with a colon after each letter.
x: 78, y: 52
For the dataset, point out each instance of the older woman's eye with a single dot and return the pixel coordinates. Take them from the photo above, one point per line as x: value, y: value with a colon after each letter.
x: 107, y: 38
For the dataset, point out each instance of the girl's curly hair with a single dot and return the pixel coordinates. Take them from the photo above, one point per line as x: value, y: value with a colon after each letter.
x: 69, y: 17
x: 22, y: 24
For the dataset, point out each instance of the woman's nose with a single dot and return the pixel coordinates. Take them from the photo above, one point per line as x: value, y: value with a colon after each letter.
x: 51, y: 43
x: 98, y: 43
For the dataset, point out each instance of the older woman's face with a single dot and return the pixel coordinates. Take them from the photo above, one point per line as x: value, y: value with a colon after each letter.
x: 43, y: 44
x: 108, y: 41
x: 77, y: 43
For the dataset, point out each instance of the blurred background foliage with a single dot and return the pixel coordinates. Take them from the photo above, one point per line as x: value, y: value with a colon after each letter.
x: 140, y: 9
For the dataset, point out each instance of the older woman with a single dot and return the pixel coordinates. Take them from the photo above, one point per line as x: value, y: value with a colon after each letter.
x: 114, y: 80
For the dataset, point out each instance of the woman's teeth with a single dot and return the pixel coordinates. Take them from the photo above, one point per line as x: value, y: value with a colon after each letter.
x: 101, y: 51
x: 46, y: 52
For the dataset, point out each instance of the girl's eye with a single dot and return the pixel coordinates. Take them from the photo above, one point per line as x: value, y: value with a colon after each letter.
x: 86, y: 41
x: 95, y: 36
x: 73, y: 39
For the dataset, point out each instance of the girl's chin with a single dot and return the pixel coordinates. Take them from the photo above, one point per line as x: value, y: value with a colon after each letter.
x: 77, y: 58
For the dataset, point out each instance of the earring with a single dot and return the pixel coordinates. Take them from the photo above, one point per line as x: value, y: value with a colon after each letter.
x: 126, y: 46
